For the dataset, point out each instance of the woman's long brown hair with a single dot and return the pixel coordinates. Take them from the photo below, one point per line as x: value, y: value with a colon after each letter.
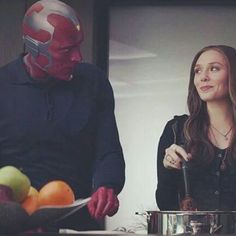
x: 197, y: 125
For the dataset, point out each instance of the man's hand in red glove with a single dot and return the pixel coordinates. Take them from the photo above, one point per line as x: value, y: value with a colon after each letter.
x: 103, y: 202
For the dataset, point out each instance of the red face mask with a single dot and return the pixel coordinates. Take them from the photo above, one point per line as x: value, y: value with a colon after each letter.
x: 53, y: 36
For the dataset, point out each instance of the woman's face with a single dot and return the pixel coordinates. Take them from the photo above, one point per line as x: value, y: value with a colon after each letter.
x: 211, y: 76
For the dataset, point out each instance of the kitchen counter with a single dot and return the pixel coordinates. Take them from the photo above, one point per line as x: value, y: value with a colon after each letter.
x: 85, y: 234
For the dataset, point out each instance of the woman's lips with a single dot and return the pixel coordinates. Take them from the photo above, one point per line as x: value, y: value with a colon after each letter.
x: 205, y: 88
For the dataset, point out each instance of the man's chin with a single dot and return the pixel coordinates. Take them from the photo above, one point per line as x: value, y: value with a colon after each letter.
x: 64, y: 77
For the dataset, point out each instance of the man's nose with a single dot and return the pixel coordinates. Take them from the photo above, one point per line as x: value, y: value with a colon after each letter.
x: 76, y: 55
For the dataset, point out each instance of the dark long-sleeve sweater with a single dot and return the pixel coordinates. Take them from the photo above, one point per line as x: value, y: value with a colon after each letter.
x: 211, y: 188
x: 61, y: 129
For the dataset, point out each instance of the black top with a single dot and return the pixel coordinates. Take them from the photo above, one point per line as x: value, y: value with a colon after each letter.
x: 210, y: 187
x: 61, y: 129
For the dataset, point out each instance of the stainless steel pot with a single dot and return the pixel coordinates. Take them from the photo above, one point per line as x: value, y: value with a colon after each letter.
x: 191, y: 222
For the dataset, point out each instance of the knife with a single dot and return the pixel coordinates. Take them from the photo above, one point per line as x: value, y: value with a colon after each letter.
x: 80, y: 203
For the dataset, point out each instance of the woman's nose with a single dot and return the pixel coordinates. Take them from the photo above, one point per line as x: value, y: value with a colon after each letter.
x: 205, y: 76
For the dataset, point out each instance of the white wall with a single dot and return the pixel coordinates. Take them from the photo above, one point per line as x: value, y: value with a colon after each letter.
x: 151, y: 49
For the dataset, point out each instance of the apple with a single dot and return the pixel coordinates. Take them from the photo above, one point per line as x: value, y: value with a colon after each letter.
x: 6, y: 194
x: 16, y: 180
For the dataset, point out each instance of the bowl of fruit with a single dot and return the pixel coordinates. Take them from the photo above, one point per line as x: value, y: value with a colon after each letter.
x: 24, y: 208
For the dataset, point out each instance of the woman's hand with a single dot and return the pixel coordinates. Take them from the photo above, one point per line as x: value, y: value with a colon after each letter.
x: 174, y: 156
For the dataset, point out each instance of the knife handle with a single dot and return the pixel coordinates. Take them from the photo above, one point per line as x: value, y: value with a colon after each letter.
x: 186, y: 178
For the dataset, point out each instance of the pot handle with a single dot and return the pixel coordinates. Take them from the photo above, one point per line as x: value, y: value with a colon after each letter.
x: 215, y: 228
x: 141, y: 213
x: 148, y: 215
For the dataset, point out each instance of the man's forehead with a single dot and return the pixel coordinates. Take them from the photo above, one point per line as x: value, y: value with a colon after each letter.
x: 67, y: 40
x: 67, y: 33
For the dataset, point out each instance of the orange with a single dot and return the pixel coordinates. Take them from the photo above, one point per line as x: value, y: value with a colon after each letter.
x: 56, y: 192
x: 30, y: 203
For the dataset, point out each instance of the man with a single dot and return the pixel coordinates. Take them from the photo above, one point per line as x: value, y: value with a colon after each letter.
x: 57, y: 114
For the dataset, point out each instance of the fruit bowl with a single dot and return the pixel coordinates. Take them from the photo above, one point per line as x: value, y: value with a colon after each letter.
x: 14, y: 219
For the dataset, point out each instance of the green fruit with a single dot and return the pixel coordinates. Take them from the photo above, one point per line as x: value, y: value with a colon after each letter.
x: 16, y: 180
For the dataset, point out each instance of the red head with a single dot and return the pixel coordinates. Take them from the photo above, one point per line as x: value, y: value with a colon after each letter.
x: 52, y: 35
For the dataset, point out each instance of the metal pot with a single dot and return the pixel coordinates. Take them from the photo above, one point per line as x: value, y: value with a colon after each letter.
x: 190, y: 222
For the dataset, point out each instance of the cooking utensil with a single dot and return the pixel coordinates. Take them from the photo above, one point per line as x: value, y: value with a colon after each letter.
x: 187, y: 204
x: 186, y: 178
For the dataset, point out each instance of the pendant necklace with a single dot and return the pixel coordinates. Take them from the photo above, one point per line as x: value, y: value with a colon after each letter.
x: 224, y: 135
x: 223, y: 164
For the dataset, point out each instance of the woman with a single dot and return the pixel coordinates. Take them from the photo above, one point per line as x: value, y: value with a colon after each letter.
x: 205, y: 139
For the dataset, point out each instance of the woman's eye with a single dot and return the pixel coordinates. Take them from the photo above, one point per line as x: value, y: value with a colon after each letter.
x: 215, y: 68
x: 197, y: 70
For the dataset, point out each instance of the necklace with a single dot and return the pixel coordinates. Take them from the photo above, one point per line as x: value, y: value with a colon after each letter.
x: 223, y: 164
x: 224, y: 135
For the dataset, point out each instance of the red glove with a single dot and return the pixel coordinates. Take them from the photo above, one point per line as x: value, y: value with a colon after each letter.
x: 103, y: 202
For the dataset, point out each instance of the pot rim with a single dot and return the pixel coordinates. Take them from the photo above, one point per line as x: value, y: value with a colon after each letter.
x: 191, y: 212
